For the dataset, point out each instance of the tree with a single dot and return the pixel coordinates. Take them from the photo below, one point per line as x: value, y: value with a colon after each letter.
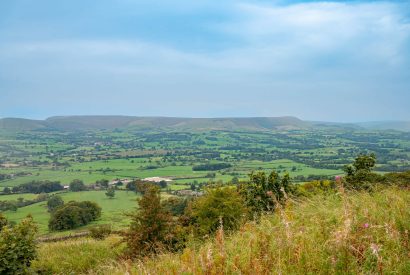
x: 17, y: 247
x: 110, y: 192
x: 73, y: 215
x: 359, y: 174
x: 263, y: 192
x: 218, y: 203
x: 77, y: 185
x: 103, y: 183
x: 54, y: 202
x: 150, y: 229
x: 6, y: 190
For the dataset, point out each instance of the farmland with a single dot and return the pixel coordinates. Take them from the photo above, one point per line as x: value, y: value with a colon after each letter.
x: 95, y: 154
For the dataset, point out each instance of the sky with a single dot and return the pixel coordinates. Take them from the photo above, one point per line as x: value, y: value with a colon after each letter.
x: 342, y: 61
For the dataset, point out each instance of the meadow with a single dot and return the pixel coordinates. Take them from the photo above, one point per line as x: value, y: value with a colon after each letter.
x: 344, y: 233
x: 113, y: 210
x: 92, y: 155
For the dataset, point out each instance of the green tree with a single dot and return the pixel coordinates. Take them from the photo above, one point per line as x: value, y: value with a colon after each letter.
x: 73, y: 215
x: 54, y: 202
x: 359, y: 174
x: 6, y: 190
x: 103, y: 183
x: 263, y: 192
x: 218, y: 203
x: 110, y: 192
x: 77, y: 185
x: 150, y: 229
x: 17, y: 247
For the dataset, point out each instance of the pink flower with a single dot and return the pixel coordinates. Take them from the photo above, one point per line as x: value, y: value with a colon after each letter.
x: 338, y: 178
x: 366, y: 225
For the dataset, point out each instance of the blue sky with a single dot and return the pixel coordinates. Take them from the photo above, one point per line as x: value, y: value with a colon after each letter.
x: 332, y: 61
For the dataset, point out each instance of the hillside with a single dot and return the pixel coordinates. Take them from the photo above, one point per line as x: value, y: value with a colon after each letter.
x: 76, y: 123
x: 353, y: 233
x: 171, y: 123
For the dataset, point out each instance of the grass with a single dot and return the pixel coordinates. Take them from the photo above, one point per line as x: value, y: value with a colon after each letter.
x: 354, y: 233
x: 112, y: 209
x: 76, y: 256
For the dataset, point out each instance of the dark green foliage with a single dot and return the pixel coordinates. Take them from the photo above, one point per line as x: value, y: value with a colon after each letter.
x: 38, y: 187
x: 110, y: 193
x: 100, y: 232
x: 103, y: 183
x: 150, y: 231
x: 132, y: 186
x: 359, y: 174
x: 17, y: 247
x: 54, y: 202
x: 263, y: 192
x: 221, y: 203
x: 6, y: 190
x: 77, y: 185
x: 211, y: 167
x: 73, y: 215
x: 175, y: 205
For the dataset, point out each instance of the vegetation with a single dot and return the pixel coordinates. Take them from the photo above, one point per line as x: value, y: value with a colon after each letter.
x: 74, y: 214
x: 150, y: 229
x: 77, y: 185
x: 17, y: 246
x: 221, y: 206
x: 54, y: 202
x: 110, y: 192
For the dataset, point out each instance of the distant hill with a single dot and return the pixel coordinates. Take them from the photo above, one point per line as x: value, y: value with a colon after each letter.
x: 386, y: 125
x: 70, y: 123
x: 123, y: 122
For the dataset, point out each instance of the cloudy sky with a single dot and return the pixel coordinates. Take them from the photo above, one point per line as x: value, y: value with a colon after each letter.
x: 335, y: 60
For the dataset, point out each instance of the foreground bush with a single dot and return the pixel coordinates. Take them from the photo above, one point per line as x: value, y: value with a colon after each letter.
x: 356, y: 233
x: 17, y: 247
x: 151, y: 226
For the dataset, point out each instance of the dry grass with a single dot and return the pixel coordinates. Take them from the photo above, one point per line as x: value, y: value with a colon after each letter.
x: 355, y: 233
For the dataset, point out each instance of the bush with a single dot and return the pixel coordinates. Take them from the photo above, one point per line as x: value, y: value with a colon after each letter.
x: 77, y: 185
x: 54, y: 202
x: 211, y: 167
x: 17, y: 247
x: 100, y: 232
x: 73, y: 215
x: 150, y: 229
x: 218, y: 203
x: 38, y: 187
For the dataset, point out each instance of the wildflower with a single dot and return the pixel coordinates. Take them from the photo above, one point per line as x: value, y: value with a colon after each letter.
x: 269, y: 193
x: 366, y: 225
x: 338, y: 178
x: 374, y: 248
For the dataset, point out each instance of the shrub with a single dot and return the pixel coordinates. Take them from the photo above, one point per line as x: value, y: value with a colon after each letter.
x: 100, y: 232
x: 218, y: 203
x: 54, y: 202
x: 150, y: 229
x: 110, y: 192
x: 211, y: 167
x: 38, y: 187
x: 73, y: 215
x: 17, y: 247
x: 77, y: 185
x: 262, y: 192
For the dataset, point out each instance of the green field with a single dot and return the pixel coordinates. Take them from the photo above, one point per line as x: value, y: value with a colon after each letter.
x: 112, y: 209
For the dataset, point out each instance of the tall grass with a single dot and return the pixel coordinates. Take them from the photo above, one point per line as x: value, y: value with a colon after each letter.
x: 345, y: 233
x: 76, y: 256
